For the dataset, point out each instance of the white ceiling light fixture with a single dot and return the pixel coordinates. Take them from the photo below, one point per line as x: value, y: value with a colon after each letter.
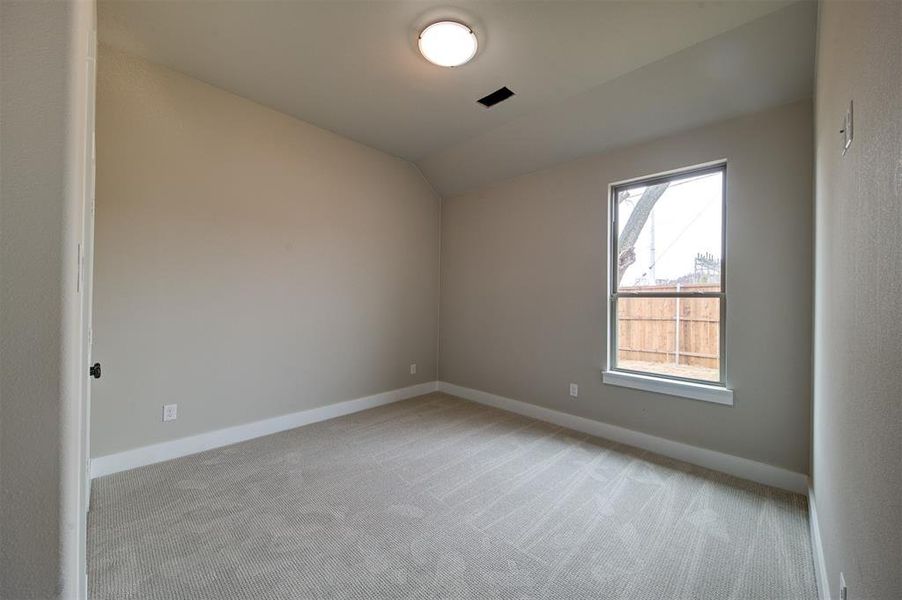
x: 448, y: 44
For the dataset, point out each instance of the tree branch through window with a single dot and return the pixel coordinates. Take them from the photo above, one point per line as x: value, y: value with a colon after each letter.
x: 630, y: 234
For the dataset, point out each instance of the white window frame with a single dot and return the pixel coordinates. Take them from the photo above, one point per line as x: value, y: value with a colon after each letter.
x: 709, y: 391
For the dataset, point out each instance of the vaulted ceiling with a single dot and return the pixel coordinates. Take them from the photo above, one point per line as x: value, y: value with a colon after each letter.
x: 588, y: 76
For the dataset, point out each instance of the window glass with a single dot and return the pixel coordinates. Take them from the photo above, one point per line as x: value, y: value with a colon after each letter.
x: 669, y: 233
x: 676, y: 337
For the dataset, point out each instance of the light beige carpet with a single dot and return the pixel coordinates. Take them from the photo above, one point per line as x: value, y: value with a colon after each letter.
x: 437, y: 497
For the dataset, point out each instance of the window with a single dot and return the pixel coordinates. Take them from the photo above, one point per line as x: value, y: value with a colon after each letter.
x: 668, y: 296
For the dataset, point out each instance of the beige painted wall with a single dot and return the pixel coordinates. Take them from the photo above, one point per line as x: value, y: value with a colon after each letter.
x: 857, y: 456
x: 43, y: 102
x: 248, y: 265
x: 523, y: 309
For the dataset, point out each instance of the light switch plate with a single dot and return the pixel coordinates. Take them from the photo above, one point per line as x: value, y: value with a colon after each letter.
x: 574, y: 390
x: 847, y: 130
x: 413, y: 368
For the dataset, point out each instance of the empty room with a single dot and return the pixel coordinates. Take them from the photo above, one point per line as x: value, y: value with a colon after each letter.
x: 521, y: 300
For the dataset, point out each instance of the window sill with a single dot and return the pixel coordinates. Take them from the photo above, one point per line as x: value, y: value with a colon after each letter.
x: 684, y: 389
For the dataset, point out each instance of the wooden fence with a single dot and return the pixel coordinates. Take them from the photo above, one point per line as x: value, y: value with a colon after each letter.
x: 679, y: 331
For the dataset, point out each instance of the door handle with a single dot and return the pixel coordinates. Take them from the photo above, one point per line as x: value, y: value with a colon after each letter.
x: 94, y: 371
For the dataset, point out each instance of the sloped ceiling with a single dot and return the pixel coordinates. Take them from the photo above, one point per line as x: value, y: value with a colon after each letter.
x: 588, y: 75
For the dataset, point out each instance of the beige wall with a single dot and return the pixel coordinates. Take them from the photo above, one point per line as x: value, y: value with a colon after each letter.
x: 248, y: 265
x: 857, y: 456
x: 43, y: 79
x: 523, y: 309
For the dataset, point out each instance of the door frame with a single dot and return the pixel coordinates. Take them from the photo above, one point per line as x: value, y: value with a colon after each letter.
x: 85, y: 284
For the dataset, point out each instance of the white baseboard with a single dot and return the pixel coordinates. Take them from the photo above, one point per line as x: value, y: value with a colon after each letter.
x: 817, y: 548
x: 146, y: 455
x: 711, y: 459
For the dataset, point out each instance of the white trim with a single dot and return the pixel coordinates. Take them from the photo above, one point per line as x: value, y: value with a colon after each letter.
x: 146, y: 455
x: 817, y: 549
x: 671, y: 387
x: 711, y: 459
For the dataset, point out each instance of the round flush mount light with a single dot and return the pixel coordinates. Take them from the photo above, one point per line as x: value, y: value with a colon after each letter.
x: 448, y: 44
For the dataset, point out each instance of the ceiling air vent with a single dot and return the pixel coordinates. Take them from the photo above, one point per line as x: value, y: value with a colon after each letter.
x: 499, y: 95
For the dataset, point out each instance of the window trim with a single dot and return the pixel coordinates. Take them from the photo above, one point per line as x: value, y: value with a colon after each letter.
x: 681, y: 386
x: 671, y: 386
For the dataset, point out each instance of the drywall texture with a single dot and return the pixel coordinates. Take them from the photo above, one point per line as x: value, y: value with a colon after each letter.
x: 42, y: 167
x: 523, y: 309
x: 248, y: 264
x: 857, y: 430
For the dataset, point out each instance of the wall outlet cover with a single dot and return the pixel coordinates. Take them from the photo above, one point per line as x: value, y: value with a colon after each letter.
x: 170, y: 412
x: 574, y: 390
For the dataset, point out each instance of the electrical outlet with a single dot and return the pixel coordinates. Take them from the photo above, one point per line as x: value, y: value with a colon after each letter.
x: 170, y: 412
x: 843, y: 590
x: 413, y: 368
x: 574, y: 390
